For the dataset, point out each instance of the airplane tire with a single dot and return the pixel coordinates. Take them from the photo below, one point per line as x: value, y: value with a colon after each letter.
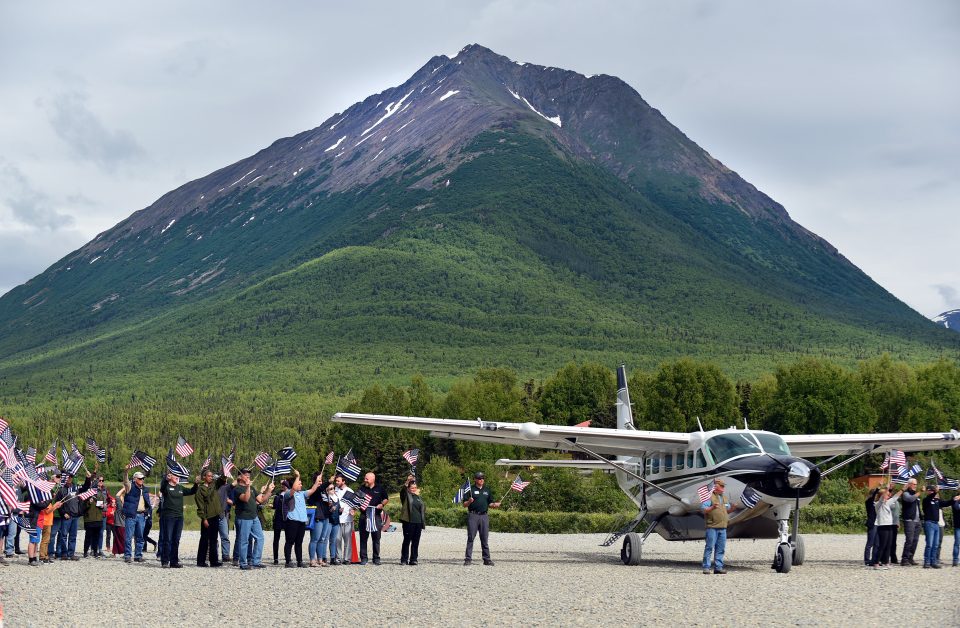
x: 798, y: 550
x: 632, y: 549
x: 783, y: 559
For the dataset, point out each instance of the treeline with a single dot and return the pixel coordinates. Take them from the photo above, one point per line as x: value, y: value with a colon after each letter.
x: 809, y: 396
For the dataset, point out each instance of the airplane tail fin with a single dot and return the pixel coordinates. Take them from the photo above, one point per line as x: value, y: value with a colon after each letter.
x: 624, y: 411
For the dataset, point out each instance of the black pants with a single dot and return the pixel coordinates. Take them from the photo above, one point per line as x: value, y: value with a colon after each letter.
x: 893, y: 543
x: 364, y: 534
x: 277, y: 531
x: 293, y: 538
x: 91, y: 534
x: 410, y: 548
x: 886, y: 537
x: 209, y: 538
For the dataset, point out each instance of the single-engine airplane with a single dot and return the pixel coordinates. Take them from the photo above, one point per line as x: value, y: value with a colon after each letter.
x: 661, y: 472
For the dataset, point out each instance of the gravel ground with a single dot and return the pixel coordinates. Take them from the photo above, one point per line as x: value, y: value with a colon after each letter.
x: 537, y: 580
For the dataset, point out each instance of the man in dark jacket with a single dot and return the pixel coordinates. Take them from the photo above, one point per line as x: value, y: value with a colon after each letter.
x: 70, y: 514
x: 931, y: 525
x: 911, y: 522
x: 171, y: 519
x: 872, y: 549
x: 136, y: 504
x: 209, y: 510
x: 372, y: 517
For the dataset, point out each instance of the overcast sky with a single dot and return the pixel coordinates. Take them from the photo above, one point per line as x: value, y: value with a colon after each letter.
x: 848, y: 113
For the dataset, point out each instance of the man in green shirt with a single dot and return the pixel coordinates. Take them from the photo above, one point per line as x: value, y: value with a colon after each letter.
x: 171, y: 519
x: 209, y: 510
x: 478, y: 502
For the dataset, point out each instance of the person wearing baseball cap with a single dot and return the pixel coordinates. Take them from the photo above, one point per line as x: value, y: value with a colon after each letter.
x: 478, y: 501
x: 136, y: 503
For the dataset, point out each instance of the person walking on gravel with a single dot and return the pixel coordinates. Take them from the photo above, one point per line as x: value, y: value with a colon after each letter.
x: 715, y: 514
x: 480, y: 500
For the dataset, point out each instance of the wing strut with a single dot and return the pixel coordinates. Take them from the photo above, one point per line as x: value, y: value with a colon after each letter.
x: 847, y: 461
x: 619, y: 467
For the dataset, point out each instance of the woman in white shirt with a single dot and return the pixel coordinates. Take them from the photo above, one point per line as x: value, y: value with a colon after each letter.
x: 883, y: 501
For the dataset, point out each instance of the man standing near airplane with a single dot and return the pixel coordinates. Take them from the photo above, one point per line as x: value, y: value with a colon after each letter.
x: 715, y: 513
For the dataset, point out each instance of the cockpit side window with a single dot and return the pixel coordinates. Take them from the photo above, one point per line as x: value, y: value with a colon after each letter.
x: 690, y: 459
x: 701, y: 461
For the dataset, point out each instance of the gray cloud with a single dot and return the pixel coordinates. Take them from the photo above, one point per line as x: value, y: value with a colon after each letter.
x: 86, y: 136
x: 27, y: 205
x: 951, y: 296
x: 24, y: 254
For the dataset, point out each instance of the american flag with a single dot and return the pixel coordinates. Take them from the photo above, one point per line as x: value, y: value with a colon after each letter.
x: 518, y: 485
x: 7, y: 445
x: 24, y: 524
x: 349, y: 457
x: 206, y: 463
x: 8, y: 494
x: 584, y: 423
x: 749, y: 498
x: 73, y: 464
x: 184, y: 448
x: 143, y: 460
x: 3, y: 424
x: 947, y: 484
x: 31, y: 455
x: 462, y: 492
x: 52, y: 453
x: 349, y: 500
x: 933, y: 472
x: 87, y: 494
x: 328, y: 459
x: 102, y: 455
x: 703, y: 493
x: 38, y: 493
x: 915, y: 469
x: 363, y: 502
x: 262, y: 460
x: 227, y: 465
x: 348, y: 470
x: 287, y: 453
x: 92, y: 446
x: 411, y: 456
x: 64, y: 453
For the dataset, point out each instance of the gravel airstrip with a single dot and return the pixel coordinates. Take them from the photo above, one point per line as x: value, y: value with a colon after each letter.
x: 540, y: 580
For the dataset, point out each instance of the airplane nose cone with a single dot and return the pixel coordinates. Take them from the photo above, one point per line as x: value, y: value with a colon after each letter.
x: 798, y: 475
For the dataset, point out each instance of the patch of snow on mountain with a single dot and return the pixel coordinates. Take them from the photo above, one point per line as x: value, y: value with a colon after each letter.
x: 449, y: 94
x: 244, y: 176
x: 336, y: 123
x: 555, y: 119
x: 513, y: 93
x: 254, y: 179
x: 339, y: 154
x: 404, y: 125
x: 248, y: 220
x: 362, y: 141
x: 94, y: 259
x: 392, y: 108
x: 168, y: 226
x: 378, y: 154
x: 335, y: 145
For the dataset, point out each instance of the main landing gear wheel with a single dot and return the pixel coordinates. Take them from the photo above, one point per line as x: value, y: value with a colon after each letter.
x: 798, y: 550
x: 783, y: 559
x: 632, y: 549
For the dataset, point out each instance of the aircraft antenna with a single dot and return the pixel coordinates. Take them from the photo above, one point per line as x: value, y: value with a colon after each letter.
x: 699, y: 424
x: 745, y: 426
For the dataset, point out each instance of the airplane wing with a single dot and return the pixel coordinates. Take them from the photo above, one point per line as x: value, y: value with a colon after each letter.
x: 813, y: 445
x: 557, y: 437
x: 565, y: 464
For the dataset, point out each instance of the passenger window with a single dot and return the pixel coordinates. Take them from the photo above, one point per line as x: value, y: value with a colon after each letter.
x: 668, y: 463
x: 679, y: 462
x: 689, y: 459
x: 649, y: 465
x: 656, y: 465
x: 701, y: 461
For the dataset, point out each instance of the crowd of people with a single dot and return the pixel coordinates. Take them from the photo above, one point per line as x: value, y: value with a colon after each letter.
x: 889, y: 510
x: 119, y: 524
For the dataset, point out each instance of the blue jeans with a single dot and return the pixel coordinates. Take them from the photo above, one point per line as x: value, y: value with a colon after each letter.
x: 956, y: 541
x: 170, y: 531
x: 53, y: 548
x: 67, y: 543
x: 134, y: 537
x: 316, y: 534
x: 250, y: 529
x: 332, y: 538
x: 716, y: 544
x: 12, y: 532
x: 931, y: 532
x: 225, y: 537
x: 871, y: 551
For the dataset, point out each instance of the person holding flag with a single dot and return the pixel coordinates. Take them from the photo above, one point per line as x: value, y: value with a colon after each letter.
x: 413, y: 518
x: 910, y: 510
x: 478, y: 500
x: 375, y: 499
x: 294, y: 503
x: 136, y: 504
x: 172, y: 493
x: 70, y: 514
x: 344, y: 497
x: 248, y: 523
x: 715, y: 513
x: 94, y: 503
x: 209, y: 510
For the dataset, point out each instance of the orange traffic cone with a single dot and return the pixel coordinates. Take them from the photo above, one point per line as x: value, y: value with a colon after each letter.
x: 355, y: 555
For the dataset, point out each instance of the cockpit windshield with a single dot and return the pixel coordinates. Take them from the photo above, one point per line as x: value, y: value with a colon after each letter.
x: 772, y: 444
x: 725, y: 446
